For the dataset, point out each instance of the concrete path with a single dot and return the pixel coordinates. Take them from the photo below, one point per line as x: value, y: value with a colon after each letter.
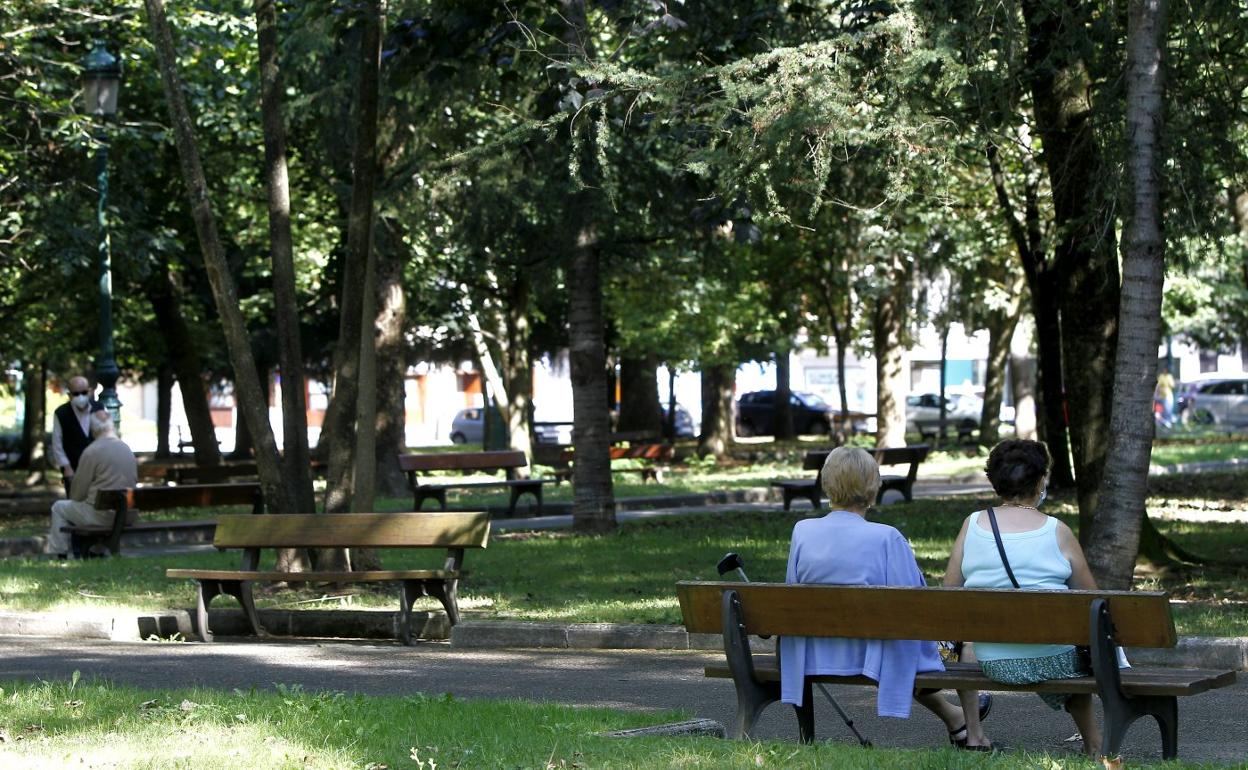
x: 1212, y: 727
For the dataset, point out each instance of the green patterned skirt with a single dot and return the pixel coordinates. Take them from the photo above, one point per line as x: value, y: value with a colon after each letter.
x: 1064, y: 665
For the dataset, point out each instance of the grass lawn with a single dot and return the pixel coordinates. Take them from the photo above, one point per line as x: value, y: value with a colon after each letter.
x: 629, y: 577
x: 96, y: 725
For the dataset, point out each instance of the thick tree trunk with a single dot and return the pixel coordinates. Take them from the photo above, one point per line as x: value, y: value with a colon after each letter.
x: 890, y: 385
x: 34, y: 418
x: 1084, y: 257
x: 593, y: 508
x: 296, y: 460
x: 1001, y: 325
x: 718, y: 381
x: 164, y: 397
x: 188, y: 370
x: 391, y: 363
x: 518, y: 367
x: 784, y: 394
x: 639, y: 395
x: 1114, y: 539
x: 1023, y: 381
x: 251, y: 395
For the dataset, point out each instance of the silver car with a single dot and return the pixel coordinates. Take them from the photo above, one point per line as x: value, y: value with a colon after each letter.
x: 1214, y: 401
x: 468, y: 427
x: 962, y: 413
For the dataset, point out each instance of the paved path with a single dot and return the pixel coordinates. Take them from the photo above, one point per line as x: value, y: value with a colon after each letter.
x: 1212, y: 726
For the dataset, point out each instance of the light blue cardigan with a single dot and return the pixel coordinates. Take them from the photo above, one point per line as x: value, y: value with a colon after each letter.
x: 842, y: 548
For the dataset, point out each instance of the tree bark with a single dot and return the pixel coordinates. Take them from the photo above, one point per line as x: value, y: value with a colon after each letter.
x: 1114, y: 540
x: 639, y: 395
x: 1023, y: 382
x: 890, y: 386
x: 391, y: 363
x: 34, y: 419
x: 783, y: 400
x: 518, y: 366
x: 593, y: 507
x: 164, y: 395
x: 296, y: 459
x: 718, y: 381
x: 251, y: 396
x: 1084, y: 256
x: 1001, y: 325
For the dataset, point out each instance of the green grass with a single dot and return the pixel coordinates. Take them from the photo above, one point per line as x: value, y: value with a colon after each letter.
x: 1170, y: 453
x: 97, y: 725
x: 629, y: 577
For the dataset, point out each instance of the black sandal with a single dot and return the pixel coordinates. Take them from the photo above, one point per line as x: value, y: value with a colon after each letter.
x: 985, y: 708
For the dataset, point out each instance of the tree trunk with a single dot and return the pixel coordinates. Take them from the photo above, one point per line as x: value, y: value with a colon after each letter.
x: 942, y: 423
x: 639, y: 395
x: 391, y: 363
x: 718, y: 381
x: 890, y: 384
x: 1114, y: 540
x: 518, y: 367
x: 251, y: 396
x: 188, y: 369
x: 1084, y: 257
x: 1001, y: 325
x: 164, y: 395
x: 593, y: 508
x: 669, y: 425
x: 1023, y: 381
x: 783, y: 400
x: 34, y: 418
x: 296, y: 460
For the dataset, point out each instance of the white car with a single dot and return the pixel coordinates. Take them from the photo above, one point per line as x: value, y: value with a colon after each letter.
x: 1220, y: 401
x: 962, y: 413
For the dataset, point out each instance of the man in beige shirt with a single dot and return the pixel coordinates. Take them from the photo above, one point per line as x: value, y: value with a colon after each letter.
x: 106, y: 464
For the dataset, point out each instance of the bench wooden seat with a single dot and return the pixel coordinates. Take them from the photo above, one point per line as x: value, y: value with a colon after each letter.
x: 1102, y: 619
x: 468, y: 462
x: 126, y: 503
x: 809, y: 488
x: 453, y: 531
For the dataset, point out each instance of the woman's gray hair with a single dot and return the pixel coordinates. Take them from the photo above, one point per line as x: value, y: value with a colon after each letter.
x: 850, y: 478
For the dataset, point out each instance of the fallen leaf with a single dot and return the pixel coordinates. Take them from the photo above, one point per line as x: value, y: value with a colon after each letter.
x: 150, y: 704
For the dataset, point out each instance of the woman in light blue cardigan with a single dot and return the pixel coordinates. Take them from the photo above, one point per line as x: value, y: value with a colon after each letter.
x: 843, y: 548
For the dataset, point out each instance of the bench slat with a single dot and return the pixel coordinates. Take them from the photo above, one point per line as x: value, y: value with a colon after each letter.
x: 352, y: 530
x: 184, y: 496
x: 450, y: 484
x: 1151, y: 681
x: 463, y: 461
x: 1141, y: 618
x: 315, y: 577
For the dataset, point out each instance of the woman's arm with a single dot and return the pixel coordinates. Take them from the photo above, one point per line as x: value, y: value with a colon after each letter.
x: 953, y: 571
x: 1080, y: 573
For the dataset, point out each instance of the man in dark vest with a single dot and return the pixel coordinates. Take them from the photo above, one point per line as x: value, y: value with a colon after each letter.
x: 71, y: 432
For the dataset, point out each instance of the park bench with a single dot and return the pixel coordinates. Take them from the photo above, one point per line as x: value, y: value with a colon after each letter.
x: 1101, y: 619
x: 453, y: 531
x: 126, y: 504
x: 560, y: 459
x: 809, y: 488
x: 225, y: 472
x: 469, y: 462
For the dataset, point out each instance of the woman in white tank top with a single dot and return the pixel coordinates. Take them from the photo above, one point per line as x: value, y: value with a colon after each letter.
x: 1043, y: 554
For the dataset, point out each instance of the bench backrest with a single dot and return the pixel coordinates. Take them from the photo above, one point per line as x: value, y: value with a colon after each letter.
x: 354, y: 530
x: 643, y: 452
x: 463, y: 461
x: 1141, y: 618
x: 913, y: 454
x: 215, y: 474
x: 552, y: 454
x: 185, y: 496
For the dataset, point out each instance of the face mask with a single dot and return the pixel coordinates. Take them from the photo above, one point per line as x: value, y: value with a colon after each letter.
x: 81, y: 401
x: 1043, y: 494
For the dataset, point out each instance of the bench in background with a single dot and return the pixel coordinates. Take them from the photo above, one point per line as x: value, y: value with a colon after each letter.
x: 1102, y: 619
x: 810, y: 488
x: 453, y: 531
x: 126, y: 504
x: 469, y: 462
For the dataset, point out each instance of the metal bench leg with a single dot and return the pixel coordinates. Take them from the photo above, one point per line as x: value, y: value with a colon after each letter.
x: 424, y: 494
x: 1121, y: 713
x: 447, y: 592
x: 788, y: 497
x: 208, y: 590
x: 410, y: 591
x: 752, y: 695
x: 806, y: 714
x: 815, y: 497
x: 511, y: 504
x: 241, y: 590
x: 516, y: 491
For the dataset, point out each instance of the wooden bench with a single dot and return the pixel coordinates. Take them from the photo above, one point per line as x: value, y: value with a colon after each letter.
x: 223, y: 473
x: 479, y: 462
x: 1102, y: 619
x: 452, y: 531
x: 558, y: 457
x: 651, y: 453
x: 126, y: 503
x: 810, y: 488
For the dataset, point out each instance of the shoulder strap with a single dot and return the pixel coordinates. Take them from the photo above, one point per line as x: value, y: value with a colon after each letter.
x: 996, y: 534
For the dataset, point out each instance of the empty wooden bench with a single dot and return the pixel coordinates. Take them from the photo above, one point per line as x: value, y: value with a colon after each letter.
x: 225, y: 472
x: 1101, y: 619
x: 650, y: 453
x: 809, y: 488
x: 453, y: 531
x: 558, y: 457
x: 469, y: 462
x: 126, y: 504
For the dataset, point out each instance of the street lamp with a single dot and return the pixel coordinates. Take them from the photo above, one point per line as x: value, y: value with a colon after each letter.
x: 101, y: 80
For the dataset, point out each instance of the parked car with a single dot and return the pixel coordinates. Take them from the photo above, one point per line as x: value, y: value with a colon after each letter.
x: 1214, y: 401
x: 684, y: 422
x: 468, y: 427
x: 962, y: 413
x: 756, y: 414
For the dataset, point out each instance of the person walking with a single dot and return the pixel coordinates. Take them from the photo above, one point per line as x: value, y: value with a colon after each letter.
x: 71, y: 433
x: 108, y: 463
x: 1165, y: 396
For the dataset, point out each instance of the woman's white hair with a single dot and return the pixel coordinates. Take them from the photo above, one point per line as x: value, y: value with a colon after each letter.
x: 850, y: 478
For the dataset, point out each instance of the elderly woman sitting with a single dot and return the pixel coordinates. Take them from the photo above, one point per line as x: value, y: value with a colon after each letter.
x: 843, y: 548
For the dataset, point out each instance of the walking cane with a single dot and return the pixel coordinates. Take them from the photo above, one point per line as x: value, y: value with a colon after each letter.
x: 732, y: 560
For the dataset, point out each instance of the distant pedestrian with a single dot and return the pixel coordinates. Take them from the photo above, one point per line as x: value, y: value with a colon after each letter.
x: 106, y: 464
x: 71, y: 433
x: 1164, y: 395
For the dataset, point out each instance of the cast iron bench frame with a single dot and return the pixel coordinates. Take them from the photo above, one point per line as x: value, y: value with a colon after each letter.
x: 1102, y: 619
x: 483, y: 462
x: 454, y: 531
x: 809, y: 488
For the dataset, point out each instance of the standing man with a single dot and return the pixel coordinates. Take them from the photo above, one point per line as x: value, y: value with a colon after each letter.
x: 70, y: 428
x: 106, y: 464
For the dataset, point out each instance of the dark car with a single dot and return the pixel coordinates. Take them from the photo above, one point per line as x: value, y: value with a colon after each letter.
x: 756, y: 413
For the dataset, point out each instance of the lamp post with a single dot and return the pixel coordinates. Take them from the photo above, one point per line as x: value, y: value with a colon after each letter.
x: 101, y: 79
